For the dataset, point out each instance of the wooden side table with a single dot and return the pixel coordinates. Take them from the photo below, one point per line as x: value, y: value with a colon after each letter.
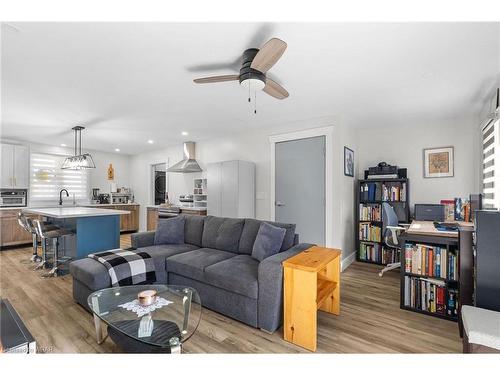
x: 311, y: 283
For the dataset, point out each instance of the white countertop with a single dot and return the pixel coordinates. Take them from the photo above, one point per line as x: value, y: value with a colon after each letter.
x: 181, y: 207
x: 73, y: 212
x: 109, y: 204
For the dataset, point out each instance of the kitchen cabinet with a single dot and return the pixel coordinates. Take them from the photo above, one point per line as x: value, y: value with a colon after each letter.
x: 15, y: 166
x: 152, y: 218
x: 11, y: 232
x: 128, y: 223
x: 231, y: 189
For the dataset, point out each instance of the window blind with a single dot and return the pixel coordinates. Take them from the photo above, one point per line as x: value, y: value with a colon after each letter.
x: 491, y: 150
x: 47, y: 178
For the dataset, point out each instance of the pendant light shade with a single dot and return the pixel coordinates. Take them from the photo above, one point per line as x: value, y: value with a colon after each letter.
x: 78, y: 160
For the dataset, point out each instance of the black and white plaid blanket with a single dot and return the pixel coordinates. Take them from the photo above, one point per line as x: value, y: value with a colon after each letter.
x: 127, y: 267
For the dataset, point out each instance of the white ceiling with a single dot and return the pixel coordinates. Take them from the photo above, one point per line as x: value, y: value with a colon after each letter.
x: 130, y: 82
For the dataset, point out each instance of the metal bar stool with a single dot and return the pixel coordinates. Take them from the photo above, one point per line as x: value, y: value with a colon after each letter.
x: 23, y: 222
x: 54, y: 234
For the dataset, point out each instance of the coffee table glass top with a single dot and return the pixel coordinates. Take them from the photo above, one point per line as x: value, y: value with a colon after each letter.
x: 172, y: 318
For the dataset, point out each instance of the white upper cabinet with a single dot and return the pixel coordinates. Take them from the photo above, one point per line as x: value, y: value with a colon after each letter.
x: 15, y: 166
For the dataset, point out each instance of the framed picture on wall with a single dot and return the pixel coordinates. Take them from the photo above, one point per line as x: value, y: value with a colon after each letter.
x: 348, y: 162
x: 438, y: 162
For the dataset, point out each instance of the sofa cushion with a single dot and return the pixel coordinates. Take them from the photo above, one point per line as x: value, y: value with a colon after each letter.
x: 170, y: 231
x: 193, y: 229
x: 251, y: 228
x: 193, y: 263
x: 268, y: 241
x: 222, y: 233
x: 237, y: 274
x: 159, y: 253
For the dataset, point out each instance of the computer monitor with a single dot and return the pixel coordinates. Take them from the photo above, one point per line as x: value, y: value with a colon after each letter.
x: 429, y: 212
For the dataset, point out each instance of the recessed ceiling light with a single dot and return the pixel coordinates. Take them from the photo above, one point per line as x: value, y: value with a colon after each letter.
x: 150, y: 141
x: 117, y: 149
x: 185, y: 133
x: 63, y: 144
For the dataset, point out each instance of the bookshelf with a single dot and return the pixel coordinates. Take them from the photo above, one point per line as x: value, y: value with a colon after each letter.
x: 369, y: 237
x: 200, y: 192
x: 430, y: 282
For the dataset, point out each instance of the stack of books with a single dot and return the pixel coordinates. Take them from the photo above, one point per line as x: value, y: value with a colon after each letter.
x: 377, y: 253
x: 430, y: 295
x: 369, y: 232
x: 370, y: 212
x: 369, y: 192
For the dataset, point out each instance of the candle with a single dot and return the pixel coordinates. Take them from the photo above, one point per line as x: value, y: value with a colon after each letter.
x: 146, y: 297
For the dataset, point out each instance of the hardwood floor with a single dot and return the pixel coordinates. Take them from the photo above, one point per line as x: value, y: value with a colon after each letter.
x: 370, y: 320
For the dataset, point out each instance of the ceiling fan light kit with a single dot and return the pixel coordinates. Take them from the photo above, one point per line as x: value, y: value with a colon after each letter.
x: 255, y: 64
x: 78, y: 160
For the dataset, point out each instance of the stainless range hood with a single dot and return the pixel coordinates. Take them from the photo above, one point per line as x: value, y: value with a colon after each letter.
x: 189, y: 163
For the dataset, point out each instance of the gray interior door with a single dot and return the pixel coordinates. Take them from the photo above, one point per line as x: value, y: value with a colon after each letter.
x: 300, y: 187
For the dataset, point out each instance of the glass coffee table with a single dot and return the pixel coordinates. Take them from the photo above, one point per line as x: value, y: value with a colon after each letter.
x: 160, y: 327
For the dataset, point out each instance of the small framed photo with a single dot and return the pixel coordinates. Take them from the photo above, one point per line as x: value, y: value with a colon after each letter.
x: 348, y: 162
x: 438, y: 162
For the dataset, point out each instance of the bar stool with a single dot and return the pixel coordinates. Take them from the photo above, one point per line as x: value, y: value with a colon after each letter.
x: 54, y: 234
x: 23, y: 222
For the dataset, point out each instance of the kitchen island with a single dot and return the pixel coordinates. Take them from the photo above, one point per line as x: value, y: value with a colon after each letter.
x: 95, y: 229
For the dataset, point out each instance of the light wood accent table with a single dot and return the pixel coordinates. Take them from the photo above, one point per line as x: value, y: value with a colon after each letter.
x: 311, y: 283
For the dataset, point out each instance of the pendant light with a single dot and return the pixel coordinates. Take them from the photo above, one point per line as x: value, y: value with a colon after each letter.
x: 78, y: 160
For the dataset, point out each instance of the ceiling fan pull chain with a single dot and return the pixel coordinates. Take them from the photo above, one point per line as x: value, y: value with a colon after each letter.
x: 255, y: 103
x: 249, y: 93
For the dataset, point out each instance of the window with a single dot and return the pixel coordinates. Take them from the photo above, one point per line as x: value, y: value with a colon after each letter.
x: 47, y: 178
x: 491, y: 157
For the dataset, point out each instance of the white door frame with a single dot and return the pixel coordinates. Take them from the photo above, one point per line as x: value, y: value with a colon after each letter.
x: 327, y: 132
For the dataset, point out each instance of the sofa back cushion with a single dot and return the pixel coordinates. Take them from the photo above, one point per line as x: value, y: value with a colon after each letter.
x: 251, y: 228
x: 193, y: 229
x: 268, y: 242
x: 170, y: 231
x: 222, y: 233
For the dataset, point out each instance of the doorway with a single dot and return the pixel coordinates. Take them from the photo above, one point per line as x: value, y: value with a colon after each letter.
x: 299, y: 186
x: 159, y: 174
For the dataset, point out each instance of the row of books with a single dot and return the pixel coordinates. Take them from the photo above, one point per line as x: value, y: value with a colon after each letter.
x: 433, y: 261
x: 377, y: 253
x: 430, y: 295
x: 370, y: 212
x: 376, y: 191
x: 369, y: 232
x: 394, y: 193
x: 370, y: 191
x: 458, y: 209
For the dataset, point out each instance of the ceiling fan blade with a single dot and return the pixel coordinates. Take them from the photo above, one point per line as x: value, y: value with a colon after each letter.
x: 275, y: 89
x: 229, y: 77
x: 268, y: 55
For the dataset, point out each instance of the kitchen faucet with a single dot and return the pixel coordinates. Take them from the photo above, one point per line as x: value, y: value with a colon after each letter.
x: 60, y: 196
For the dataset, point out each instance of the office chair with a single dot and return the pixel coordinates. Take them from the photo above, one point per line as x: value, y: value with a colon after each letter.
x: 391, y: 232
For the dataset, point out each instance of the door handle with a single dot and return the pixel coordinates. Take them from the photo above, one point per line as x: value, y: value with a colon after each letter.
x: 279, y: 204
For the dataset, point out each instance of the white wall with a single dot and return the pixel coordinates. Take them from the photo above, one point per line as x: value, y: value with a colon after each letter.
x: 403, y: 146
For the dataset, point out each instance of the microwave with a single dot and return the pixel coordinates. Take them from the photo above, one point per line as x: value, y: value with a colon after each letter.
x: 13, y: 197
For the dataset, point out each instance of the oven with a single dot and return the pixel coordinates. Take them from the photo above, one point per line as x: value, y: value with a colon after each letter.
x: 13, y: 197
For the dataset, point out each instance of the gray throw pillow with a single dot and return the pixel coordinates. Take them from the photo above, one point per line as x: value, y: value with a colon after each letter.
x: 268, y: 241
x: 170, y: 231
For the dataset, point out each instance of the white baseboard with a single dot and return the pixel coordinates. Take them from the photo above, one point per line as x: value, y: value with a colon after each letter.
x: 347, y: 261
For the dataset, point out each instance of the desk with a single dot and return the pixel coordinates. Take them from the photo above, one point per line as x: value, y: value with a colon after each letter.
x: 426, y: 228
x: 424, y: 232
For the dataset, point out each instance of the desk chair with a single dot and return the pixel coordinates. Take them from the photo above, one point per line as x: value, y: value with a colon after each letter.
x: 391, y: 232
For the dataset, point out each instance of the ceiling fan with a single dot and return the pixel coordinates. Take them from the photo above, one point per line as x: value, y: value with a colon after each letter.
x: 255, y: 64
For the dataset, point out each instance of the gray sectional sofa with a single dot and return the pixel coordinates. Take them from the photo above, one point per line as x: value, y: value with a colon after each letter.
x: 215, y: 260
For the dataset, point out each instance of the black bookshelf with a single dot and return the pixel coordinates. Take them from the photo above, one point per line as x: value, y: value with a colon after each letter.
x: 401, y: 207
x: 450, y: 244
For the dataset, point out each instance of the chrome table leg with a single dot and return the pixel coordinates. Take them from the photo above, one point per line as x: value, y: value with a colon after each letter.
x: 175, y: 346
